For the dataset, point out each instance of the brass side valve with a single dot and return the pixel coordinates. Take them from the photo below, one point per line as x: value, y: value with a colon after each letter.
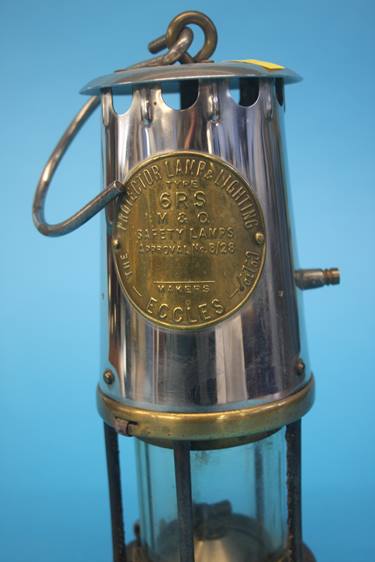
x: 315, y: 278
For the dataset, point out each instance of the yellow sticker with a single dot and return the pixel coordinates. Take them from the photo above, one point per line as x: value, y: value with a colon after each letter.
x: 263, y: 63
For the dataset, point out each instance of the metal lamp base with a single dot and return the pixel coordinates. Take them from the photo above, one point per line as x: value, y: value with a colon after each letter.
x: 233, y: 538
x: 136, y: 553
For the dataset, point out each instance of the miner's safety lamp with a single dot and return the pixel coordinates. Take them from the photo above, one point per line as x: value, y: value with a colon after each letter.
x: 204, y: 360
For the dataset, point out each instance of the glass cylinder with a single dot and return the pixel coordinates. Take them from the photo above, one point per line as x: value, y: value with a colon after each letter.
x: 239, y: 502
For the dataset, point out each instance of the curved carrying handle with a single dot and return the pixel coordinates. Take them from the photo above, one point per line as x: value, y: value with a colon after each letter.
x: 93, y: 206
x: 178, y: 40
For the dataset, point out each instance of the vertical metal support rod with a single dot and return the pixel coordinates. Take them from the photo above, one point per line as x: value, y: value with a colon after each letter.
x: 115, y: 496
x: 293, y: 441
x: 184, y: 501
x: 259, y: 484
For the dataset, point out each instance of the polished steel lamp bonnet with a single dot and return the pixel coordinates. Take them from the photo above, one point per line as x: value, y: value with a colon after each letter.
x: 204, y: 359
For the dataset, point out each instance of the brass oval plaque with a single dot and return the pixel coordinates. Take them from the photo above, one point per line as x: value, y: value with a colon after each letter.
x: 188, y: 240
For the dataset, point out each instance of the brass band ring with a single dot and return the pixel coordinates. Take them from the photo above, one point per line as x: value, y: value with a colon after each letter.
x: 205, y: 426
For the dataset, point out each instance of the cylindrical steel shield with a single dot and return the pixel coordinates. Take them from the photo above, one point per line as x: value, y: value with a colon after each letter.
x: 200, y: 312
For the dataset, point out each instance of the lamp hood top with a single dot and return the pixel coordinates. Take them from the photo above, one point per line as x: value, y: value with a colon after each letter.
x: 123, y: 81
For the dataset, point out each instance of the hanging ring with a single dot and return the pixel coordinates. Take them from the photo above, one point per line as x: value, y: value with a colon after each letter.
x: 176, y: 27
x: 204, y: 22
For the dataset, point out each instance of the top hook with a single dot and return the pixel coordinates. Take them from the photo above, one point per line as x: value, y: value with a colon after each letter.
x: 176, y: 26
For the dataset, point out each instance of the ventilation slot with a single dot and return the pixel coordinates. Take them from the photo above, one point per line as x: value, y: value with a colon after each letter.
x: 121, y: 104
x: 184, y: 97
x: 245, y: 91
x: 188, y: 93
x: 280, y: 90
x: 249, y: 91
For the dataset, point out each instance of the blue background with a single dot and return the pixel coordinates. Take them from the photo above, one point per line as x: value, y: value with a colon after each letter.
x: 53, y: 503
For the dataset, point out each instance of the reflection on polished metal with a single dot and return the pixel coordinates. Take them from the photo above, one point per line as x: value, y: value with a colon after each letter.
x: 204, y: 358
x: 189, y: 240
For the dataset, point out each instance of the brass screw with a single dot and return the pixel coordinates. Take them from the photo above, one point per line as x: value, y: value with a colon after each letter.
x: 108, y: 377
x: 300, y: 367
x: 116, y: 243
x: 259, y: 238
